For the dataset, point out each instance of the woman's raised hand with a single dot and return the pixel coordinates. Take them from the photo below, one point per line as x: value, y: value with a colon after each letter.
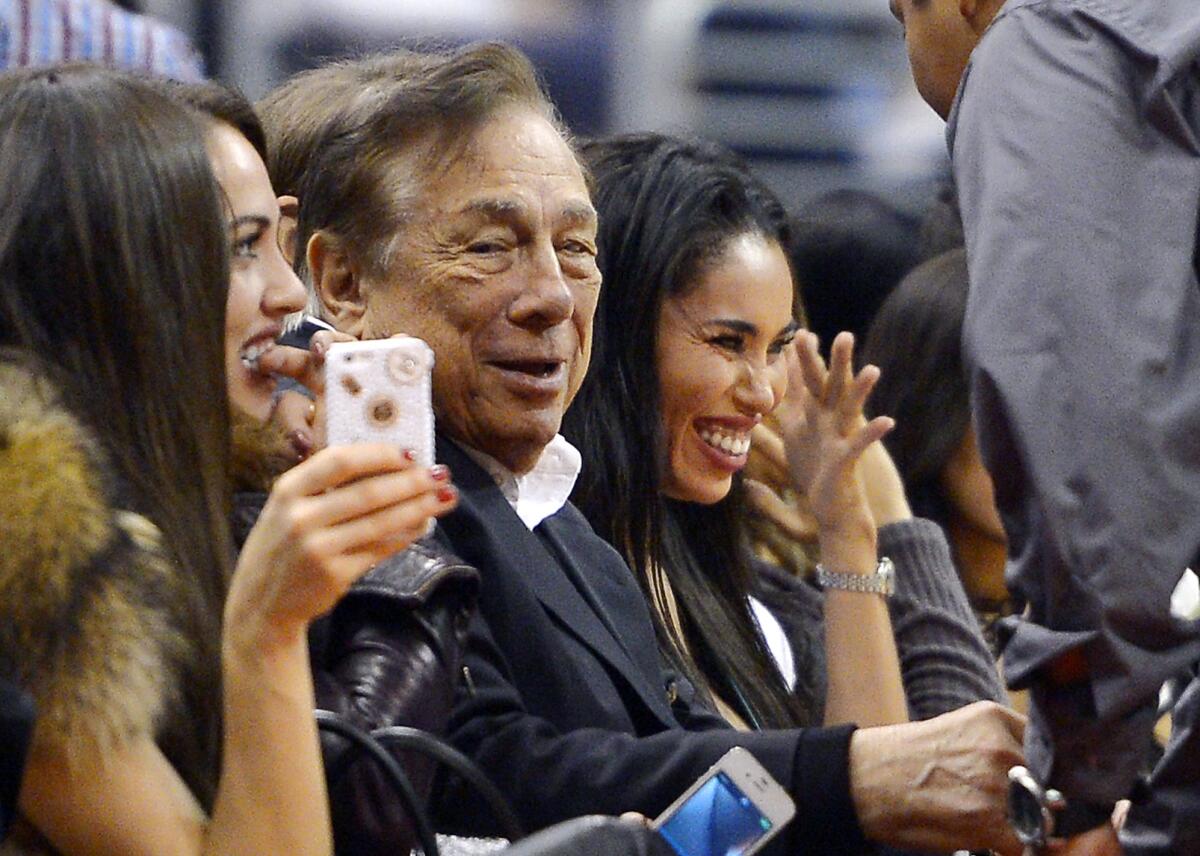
x: 769, y: 490
x: 327, y: 521
x: 825, y: 433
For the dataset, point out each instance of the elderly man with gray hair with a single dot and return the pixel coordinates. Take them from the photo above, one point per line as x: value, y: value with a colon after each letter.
x: 440, y: 197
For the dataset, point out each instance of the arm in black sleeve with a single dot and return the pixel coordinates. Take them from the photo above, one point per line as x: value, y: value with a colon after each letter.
x: 551, y: 776
x: 389, y: 654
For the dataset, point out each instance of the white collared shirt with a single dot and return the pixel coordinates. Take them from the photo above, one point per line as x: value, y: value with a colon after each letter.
x: 543, y: 490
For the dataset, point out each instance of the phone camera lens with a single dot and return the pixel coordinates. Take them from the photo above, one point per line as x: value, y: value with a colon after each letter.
x: 404, y: 367
x: 381, y: 412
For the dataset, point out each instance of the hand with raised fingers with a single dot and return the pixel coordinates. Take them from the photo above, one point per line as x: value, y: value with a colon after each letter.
x: 769, y: 490
x: 825, y: 434
x: 327, y: 521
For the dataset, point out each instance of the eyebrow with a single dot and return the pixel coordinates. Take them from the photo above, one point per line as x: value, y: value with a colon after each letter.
x: 496, y: 209
x: 739, y: 326
x: 579, y: 214
x: 249, y: 220
x: 575, y: 213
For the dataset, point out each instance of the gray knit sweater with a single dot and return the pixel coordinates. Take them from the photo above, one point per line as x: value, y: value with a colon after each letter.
x: 944, y: 661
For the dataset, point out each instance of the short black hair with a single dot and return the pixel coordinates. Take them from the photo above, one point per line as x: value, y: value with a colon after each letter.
x: 849, y: 249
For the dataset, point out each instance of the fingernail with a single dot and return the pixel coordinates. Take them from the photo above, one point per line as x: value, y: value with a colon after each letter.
x: 446, y: 494
x: 301, y: 442
x: 410, y: 455
x: 439, y: 472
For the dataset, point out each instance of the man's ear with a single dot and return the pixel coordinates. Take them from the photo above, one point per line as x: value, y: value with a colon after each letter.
x: 979, y: 13
x: 337, y: 282
x: 289, y: 214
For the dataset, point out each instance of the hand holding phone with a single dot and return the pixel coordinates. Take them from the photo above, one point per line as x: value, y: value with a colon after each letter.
x: 732, y: 810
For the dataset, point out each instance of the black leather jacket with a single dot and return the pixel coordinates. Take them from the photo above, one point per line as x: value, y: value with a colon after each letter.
x: 389, y: 654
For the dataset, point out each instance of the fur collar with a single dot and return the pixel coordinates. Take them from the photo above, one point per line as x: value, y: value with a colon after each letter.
x: 91, y: 609
x: 261, y: 454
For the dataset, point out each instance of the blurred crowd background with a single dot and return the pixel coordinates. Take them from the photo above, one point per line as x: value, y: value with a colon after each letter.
x: 814, y: 93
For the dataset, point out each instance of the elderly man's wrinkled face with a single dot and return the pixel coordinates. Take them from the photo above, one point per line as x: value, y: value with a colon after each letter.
x: 496, y: 270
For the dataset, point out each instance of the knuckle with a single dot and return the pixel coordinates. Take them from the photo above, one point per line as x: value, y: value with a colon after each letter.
x: 341, y: 457
x: 373, y: 494
x: 312, y: 547
x: 295, y: 521
x: 286, y: 485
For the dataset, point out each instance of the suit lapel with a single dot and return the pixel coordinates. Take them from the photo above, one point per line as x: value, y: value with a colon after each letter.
x: 608, y: 585
x: 564, y: 589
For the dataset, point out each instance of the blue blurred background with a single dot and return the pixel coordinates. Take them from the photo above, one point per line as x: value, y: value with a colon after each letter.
x: 815, y: 93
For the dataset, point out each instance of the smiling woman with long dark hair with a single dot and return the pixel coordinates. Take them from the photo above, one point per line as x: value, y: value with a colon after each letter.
x: 693, y: 348
x: 693, y: 344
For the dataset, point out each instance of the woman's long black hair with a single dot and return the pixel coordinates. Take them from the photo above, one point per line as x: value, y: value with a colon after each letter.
x: 667, y: 209
x: 114, y: 274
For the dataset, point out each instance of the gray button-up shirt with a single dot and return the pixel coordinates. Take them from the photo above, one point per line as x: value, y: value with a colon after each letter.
x: 1076, y: 148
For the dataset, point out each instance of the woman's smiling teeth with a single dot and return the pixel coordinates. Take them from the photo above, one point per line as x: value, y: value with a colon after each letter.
x: 251, y: 354
x: 732, y: 444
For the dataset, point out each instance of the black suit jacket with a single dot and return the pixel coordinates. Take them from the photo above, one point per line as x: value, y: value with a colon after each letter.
x: 567, y: 704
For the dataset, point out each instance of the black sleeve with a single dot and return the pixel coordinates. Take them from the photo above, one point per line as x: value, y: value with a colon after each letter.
x: 16, y: 728
x: 386, y: 657
x: 552, y: 776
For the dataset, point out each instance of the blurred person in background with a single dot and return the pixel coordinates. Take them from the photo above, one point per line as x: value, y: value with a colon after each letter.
x: 916, y: 341
x: 36, y: 33
x: 1074, y: 139
x: 849, y: 248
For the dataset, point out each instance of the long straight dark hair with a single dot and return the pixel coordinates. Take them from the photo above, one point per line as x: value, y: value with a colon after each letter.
x: 667, y: 208
x: 113, y: 279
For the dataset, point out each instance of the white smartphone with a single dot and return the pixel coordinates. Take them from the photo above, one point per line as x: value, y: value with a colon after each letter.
x: 732, y: 810
x: 381, y: 391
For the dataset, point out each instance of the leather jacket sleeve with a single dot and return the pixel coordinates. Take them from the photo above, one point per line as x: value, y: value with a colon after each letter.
x: 390, y: 654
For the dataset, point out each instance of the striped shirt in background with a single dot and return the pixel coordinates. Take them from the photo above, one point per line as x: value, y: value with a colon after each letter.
x: 46, y: 32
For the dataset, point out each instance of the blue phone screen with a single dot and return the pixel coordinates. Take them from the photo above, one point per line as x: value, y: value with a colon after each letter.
x: 718, y: 820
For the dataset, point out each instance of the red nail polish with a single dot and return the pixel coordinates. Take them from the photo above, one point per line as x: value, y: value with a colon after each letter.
x: 446, y: 494
x: 302, y: 443
x: 439, y: 472
x: 410, y: 455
